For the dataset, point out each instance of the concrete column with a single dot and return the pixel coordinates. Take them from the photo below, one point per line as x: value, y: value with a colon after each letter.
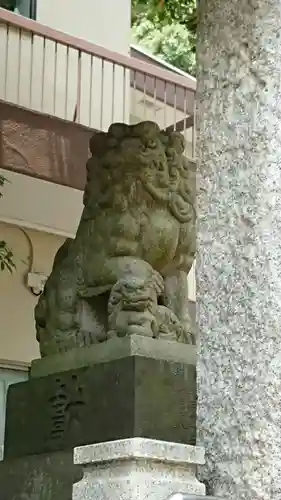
x: 239, y: 247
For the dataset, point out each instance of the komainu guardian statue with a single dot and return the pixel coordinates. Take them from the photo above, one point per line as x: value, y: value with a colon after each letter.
x: 137, y: 229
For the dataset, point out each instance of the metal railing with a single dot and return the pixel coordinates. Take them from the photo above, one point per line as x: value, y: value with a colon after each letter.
x: 51, y: 72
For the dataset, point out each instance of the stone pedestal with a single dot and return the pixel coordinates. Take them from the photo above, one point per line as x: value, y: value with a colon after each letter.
x: 112, y: 350
x: 39, y: 477
x: 133, y: 396
x: 131, y: 422
x: 130, y: 469
x: 137, y: 469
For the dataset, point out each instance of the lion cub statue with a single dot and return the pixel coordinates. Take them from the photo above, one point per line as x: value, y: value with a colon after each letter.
x: 137, y: 229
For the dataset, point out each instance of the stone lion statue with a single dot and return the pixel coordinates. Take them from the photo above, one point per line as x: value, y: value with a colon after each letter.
x: 137, y: 229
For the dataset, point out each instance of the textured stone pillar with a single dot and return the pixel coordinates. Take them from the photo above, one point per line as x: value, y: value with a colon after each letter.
x: 239, y: 247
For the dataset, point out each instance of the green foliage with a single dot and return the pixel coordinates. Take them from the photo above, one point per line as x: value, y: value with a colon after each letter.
x: 171, y: 42
x: 166, y: 12
x: 6, y: 254
x: 167, y: 29
x: 6, y: 258
x: 8, y: 4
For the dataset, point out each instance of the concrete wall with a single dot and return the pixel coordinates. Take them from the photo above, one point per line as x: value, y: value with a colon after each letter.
x: 17, y: 332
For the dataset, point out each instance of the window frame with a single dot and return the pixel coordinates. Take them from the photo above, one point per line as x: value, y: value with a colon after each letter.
x: 32, y: 9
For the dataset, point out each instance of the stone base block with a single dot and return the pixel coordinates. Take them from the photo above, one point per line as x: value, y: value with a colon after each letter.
x: 39, y: 477
x: 113, y: 349
x: 130, y: 397
x: 137, y: 469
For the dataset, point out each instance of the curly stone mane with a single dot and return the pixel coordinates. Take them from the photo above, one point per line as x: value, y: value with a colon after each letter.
x: 138, y: 164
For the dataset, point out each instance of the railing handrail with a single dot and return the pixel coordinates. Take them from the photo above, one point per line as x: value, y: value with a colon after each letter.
x: 25, y: 24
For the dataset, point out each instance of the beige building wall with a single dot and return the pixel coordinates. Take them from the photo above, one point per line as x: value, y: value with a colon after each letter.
x: 36, y: 204
x: 91, y: 20
x: 17, y: 332
x: 191, y: 280
x: 47, y: 77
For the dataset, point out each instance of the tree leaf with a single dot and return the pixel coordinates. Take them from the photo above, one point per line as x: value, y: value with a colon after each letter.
x: 167, y: 28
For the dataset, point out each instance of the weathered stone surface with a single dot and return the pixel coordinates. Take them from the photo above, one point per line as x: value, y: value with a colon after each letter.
x: 137, y: 469
x: 39, y: 477
x: 136, y: 231
x: 184, y: 496
x: 239, y: 251
x: 134, y: 396
x: 116, y: 348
